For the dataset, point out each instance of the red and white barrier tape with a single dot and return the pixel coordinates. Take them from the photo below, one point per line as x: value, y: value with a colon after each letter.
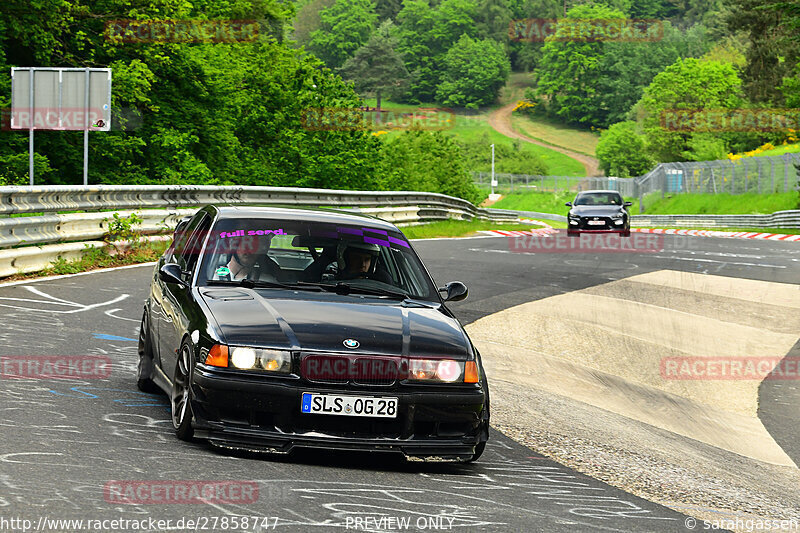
x: 726, y: 234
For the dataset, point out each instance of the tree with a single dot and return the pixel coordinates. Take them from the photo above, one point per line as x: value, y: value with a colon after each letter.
x: 376, y: 66
x: 688, y: 84
x: 621, y: 151
x: 625, y: 69
x: 492, y: 18
x: 770, y: 45
x: 569, y: 72
x: 307, y: 20
x: 425, y: 35
x: 388, y: 9
x: 344, y: 28
x: 474, y: 72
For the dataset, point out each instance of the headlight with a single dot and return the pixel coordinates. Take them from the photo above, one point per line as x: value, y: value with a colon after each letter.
x: 618, y: 215
x: 442, y: 370
x: 243, y: 357
x: 261, y: 359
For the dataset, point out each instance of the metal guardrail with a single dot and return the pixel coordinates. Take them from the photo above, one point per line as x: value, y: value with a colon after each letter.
x: 66, y: 235
x: 61, y: 198
x: 779, y: 219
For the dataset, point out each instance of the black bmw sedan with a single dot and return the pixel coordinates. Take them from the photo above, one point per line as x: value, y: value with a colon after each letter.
x: 277, y: 328
x: 599, y: 212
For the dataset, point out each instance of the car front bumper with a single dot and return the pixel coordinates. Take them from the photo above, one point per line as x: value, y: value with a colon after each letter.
x: 263, y: 414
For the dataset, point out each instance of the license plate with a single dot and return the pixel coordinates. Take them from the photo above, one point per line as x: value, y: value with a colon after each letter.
x: 332, y: 404
x: 596, y: 222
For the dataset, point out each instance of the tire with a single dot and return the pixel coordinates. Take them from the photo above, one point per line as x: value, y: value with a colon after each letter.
x: 181, y: 395
x: 478, y: 452
x: 144, y: 370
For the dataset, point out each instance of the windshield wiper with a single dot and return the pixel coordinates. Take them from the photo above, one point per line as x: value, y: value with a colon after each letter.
x: 260, y: 284
x: 347, y: 288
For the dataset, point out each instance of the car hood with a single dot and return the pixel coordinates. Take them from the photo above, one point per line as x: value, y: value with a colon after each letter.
x: 247, y: 317
x: 596, y: 210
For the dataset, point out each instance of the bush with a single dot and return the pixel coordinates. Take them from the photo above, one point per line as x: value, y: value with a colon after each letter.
x: 426, y: 161
x: 621, y: 151
x: 507, y: 158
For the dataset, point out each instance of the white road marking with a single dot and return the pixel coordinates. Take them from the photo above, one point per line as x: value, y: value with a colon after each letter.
x: 111, y: 312
x: 715, y: 261
x: 53, y: 300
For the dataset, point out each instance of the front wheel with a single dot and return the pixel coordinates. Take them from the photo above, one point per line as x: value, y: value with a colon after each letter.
x: 181, y: 395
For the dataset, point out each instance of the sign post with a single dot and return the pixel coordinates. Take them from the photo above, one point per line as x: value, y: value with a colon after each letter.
x: 64, y: 99
x: 494, y: 181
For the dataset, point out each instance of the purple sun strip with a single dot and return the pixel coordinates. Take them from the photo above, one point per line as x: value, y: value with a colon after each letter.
x: 352, y: 231
x: 373, y: 240
x: 401, y: 242
x: 376, y: 231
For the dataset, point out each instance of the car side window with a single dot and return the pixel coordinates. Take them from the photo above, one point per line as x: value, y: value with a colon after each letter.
x: 194, y: 244
x: 183, y: 245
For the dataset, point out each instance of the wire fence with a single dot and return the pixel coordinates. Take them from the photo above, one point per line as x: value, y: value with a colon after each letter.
x: 760, y: 175
x: 517, y: 183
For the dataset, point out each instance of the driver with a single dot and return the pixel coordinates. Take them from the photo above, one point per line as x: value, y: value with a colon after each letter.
x: 359, y: 260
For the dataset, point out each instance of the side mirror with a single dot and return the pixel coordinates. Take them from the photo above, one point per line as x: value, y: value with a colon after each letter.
x: 456, y: 291
x: 568, y: 204
x: 628, y: 204
x: 171, y: 273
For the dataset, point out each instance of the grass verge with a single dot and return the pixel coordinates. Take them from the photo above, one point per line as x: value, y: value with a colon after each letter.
x: 555, y: 133
x: 678, y: 204
x: 719, y: 204
x: 545, y: 202
x: 96, y: 258
x: 457, y: 228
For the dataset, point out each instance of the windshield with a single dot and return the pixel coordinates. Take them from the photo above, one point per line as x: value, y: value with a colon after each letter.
x: 368, y: 260
x: 598, y: 198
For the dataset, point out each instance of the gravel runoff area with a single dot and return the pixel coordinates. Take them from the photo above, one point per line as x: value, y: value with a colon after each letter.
x: 566, y: 383
x: 688, y: 476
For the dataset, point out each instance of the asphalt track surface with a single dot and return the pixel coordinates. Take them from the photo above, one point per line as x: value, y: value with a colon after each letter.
x: 63, y: 441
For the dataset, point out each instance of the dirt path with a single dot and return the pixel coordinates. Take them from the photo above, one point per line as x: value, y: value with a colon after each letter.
x: 500, y: 120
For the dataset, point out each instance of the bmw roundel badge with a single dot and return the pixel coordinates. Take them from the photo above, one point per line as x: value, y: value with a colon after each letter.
x: 351, y: 343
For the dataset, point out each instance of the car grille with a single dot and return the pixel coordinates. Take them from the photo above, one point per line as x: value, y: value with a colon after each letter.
x: 583, y: 223
x: 350, y: 369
